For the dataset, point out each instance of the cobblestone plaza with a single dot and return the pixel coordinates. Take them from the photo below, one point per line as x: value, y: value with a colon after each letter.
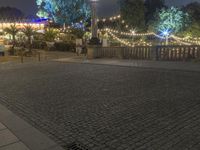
x: 102, y: 107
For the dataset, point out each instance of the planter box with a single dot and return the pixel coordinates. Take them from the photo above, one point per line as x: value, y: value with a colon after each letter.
x: 92, y: 51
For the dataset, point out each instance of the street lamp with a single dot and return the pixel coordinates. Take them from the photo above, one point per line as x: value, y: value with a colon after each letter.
x: 94, y: 25
x: 166, y: 34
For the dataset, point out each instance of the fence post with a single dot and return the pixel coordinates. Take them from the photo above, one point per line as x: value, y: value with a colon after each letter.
x: 154, y: 53
x: 22, y: 57
x: 39, y: 56
x: 119, y: 52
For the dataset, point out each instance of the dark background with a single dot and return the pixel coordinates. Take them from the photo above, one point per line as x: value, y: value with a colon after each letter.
x: 105, y: 8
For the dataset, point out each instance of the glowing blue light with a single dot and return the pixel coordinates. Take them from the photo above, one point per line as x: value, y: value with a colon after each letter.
x: 79, y: 25
x: 39, y: 20
x: 165, y: 33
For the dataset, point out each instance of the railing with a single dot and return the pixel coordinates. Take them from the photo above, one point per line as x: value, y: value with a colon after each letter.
x: 168, y: 53
x: 177, y: 53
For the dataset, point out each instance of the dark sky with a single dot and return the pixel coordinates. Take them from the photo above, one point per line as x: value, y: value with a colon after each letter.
x: 106, y: 7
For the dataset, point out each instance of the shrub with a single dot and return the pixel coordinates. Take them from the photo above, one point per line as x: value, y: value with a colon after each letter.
x: 65, y: 46
x: 39, y: 45
x: 94, y: 41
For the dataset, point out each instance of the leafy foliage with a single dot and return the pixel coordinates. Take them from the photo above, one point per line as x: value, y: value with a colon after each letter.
x: 50, y: 34
x: 193, y: 9
x: 132, y: 12
x: 193, y: 29
x: 171, y: 20
x: 64, y: 11
x: 10, y: 13
x: 29, y: 33
x: 12, y: 30
x: 151, y: 6
x: 65, y: 46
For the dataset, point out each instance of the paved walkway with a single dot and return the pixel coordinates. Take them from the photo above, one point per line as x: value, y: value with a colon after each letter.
x: 8, y: 141
x: 104, y: 107
x: 185, y: 66
x: 16, y: 134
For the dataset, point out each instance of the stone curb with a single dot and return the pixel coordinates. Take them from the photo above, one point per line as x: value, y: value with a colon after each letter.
x: 27, y: 134
x: 168, y: 65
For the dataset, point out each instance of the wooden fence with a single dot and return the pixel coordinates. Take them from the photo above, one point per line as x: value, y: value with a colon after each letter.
x: 168, y: 53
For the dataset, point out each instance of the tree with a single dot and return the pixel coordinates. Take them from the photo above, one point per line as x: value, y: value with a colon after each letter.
x: 151, y: 7
x: 132, y: 12
x: 193, y: 9
x: 192, y: 31
x: 12, y: 30
x: 10, y: 13
x: 64, y: 11
x: 50, y: 34
x: 29, y: 33
x: 171, y: 20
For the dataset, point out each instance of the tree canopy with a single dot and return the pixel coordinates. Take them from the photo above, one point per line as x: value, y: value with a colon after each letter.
x: 132, y: 12
x: 64, y: 11
x: 10, y: 13
x: 151, y: 6
x: 171, y: 20
x: 193, y: 9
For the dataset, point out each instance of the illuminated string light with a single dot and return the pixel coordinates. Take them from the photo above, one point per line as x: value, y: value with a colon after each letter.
x: 176, y: 39
x: 110, y: 19
x: 131, y: 33
x: 186, y: 40
x: 114, y: 18
x: 129, y: 44
x: 22, y: 25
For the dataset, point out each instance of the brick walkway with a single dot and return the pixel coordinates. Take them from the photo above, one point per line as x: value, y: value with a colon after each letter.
x: 99, y: 107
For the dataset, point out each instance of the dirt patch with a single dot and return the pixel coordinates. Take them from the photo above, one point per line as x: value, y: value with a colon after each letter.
x: 9, y: 58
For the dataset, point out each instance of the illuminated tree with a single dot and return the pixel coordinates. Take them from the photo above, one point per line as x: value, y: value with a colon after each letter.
x: 193, y: 30
x: 171, y: 20
x: 64, y: 11
x: 29, y: 33
x: 50, y: 34
x: 12, y: 30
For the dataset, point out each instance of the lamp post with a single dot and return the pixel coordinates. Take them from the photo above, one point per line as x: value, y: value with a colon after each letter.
x: 94, y: 41
x: 94, y: 25
x: 133, y: 34
x: 166, y: 34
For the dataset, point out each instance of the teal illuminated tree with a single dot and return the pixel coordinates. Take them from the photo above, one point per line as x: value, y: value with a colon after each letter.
x: 64, y: 11
x: 171, y: 20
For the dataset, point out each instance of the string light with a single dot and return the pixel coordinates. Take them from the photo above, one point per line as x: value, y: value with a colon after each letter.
x: 114, y: 18
x: 22, y: 25
x: 131, y: 33
x: 110, y: 19
x: 185, y: 40
x: 132, y: 44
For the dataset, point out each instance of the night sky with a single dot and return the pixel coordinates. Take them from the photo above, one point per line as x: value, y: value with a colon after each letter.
x: 105, y: 8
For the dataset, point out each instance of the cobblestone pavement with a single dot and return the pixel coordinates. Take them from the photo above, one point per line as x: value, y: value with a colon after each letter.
x: 99, y: 107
